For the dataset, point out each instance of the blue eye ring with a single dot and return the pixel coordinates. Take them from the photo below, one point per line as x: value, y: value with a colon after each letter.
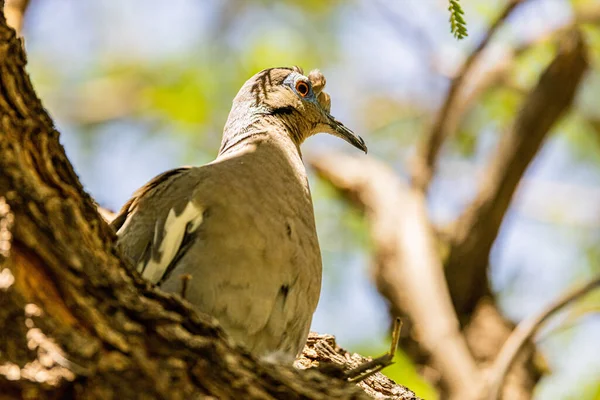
x: 302, y: 88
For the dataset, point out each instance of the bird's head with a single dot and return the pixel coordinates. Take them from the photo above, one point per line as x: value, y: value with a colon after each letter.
x: 296, y: 101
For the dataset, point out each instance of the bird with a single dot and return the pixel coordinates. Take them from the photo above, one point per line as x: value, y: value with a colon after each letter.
x: 243, y: 226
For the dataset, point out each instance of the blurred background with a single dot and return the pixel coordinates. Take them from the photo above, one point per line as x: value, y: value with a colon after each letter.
x: 140, y: 86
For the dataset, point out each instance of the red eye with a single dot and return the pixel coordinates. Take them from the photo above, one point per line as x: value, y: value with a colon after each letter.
x: 302, y: 88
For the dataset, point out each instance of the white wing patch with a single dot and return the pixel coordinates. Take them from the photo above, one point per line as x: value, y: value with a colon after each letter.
x: 124, y: 226
x: 175, y: 228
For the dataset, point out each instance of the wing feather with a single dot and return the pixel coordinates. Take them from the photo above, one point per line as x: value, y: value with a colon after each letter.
x: 153, y: 224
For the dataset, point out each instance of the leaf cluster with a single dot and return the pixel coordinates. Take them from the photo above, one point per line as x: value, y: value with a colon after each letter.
x: 458, y: 25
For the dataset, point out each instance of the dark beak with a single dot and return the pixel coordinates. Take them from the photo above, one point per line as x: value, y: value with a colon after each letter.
x: 338, y: 129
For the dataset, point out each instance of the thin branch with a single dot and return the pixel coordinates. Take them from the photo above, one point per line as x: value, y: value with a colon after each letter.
x: 14, y: 10
x: 369, y: 368
x: 408, y: 270
x: 476, y: 229
x: 587, y: 14
x: 322, y: 352
x: 424, y: 163
x: 525, y: 332
x: 498, y: 73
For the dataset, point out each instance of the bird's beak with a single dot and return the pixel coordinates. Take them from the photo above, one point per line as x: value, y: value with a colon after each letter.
x: 335, y: 127
x: 338, y: 129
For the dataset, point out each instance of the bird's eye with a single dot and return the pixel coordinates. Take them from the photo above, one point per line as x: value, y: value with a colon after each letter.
x: 302, y: 88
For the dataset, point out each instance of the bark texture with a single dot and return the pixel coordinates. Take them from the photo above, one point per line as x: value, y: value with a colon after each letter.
x: 76, y: 323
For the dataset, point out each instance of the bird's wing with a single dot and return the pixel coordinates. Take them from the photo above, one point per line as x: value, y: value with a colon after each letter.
x: 130, y: 207
x: 246, y: 265
x: 163, y: 229
x: 153, y: 225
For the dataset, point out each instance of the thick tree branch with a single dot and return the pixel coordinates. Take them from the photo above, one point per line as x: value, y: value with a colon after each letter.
x: 77, y: 322
x: 477, y: 228
x: 408, y: 270
x: 423, y: 165
x: 525, y: 332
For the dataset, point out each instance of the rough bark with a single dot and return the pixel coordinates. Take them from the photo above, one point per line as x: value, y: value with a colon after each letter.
x: 76, y: 322
x: 323, y: 352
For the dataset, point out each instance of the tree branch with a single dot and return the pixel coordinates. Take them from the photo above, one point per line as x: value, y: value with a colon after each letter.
x: 497, y: 74
x: 408, y: 270
x: 322, y: 352
x: 525, y: 331
x: 423, y: 165
x: 477, y: 228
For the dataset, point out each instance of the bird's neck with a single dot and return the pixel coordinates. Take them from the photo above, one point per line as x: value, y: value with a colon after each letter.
x: 265, y: 138
x: 256, y: 126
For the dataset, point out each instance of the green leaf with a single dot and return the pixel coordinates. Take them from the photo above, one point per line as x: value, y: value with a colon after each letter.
x: 458, y: 25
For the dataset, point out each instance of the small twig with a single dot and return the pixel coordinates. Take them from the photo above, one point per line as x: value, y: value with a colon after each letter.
x: 395, y: 336
x: 525, y: 331
x: 424, y: 164
x: 322, y: 353
x: 369, y: 368
x: 185, y: 279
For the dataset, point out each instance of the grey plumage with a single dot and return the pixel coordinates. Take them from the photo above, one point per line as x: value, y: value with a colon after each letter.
x: 242, y: 226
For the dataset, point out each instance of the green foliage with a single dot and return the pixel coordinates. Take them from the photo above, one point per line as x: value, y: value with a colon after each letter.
x: 458, y: 25
x: 404, y: 372
x: 500, y: 107
x: 303, y: 6
x: 529, y: 66
x: 181, y: 92
x: 582, y: 136
x: 579, y: 4
x: 466, y: 141
x: 337, y: 219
